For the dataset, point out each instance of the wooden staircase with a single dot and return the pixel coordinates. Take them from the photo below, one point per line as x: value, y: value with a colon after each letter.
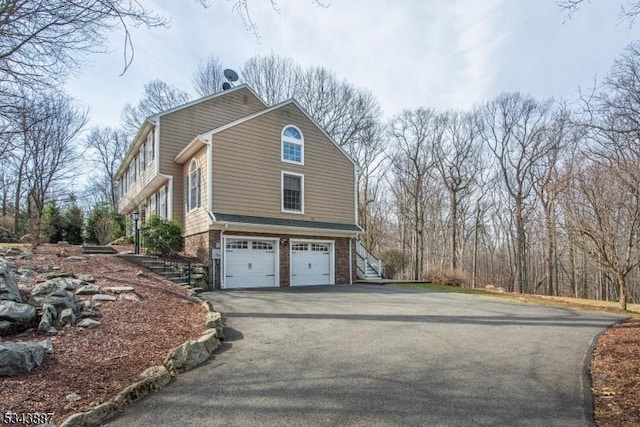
x: 369, y: 266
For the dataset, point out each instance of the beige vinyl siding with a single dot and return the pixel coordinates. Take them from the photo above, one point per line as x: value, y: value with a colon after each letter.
x: 247, y: 170
x: 196, y: 221
x: 179, y: 128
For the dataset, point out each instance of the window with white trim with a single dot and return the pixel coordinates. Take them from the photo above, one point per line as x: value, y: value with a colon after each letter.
x: 193, y: 186
x: 292, y: 192
x: 292, y: 145
x: 299, y: 247
x: 149, y: 148
x: 261, y: 245
x: 152, y: 204
x: 317, y: 247
x: 141, y: 157
x: 162, y: 202
x: 238, y: 244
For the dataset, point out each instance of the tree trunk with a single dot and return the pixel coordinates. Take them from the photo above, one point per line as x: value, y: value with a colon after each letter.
x: 454, y: 230
x: 474, y: 267
x: 549, y: 248
x: 521, y: 285
x: 622, y: 284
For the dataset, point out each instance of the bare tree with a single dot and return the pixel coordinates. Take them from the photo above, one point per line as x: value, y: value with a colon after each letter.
x: 629, y: 12
x: 241, y: 7
x: 209, y: 76
x: 47, y: 153
x: 369, y: 153
x: 458, y: 161
x: 414, y: 133
x: 273, y: 77
x: 514, y: 127
x: 608, y: 223
x: 157, y: 96
x: 108, y: 146
x: 341, y: 109
x: 41, y: 40
x: 549, y: 183
x: 605, y: 216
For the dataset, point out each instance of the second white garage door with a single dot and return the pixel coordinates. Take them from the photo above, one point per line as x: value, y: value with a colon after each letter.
x: 249, y: 263
x: 311, y: 263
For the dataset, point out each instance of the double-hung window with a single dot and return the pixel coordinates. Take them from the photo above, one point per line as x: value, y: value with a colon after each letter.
x: 292, y: 145
x: 292, y: 192
x: 193, y: 186
x: 162, y: 203
x: 149, y: 148
x: 143, y: 163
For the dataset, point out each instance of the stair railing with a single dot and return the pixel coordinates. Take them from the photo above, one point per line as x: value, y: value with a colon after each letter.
x: 171, y: 260
x: 366, y: 260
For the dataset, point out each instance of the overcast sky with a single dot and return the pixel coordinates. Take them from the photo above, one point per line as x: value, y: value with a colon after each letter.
x: 408, y: 53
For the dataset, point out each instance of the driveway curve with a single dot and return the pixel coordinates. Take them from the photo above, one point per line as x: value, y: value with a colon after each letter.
x: 373, y: 356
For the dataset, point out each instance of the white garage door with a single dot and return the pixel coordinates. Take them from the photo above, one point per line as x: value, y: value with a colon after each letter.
x: 310, y: 263
x: 249, y: 263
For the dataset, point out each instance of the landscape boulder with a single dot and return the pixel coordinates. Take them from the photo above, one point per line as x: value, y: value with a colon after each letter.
x: 49, y: 314
x: 186, y: 357
x: 67, y: 317
x: 153, y: 379
x: 8, y: 286
x: 21, y: 357
x: 214, y: 321
x: 85, y: 278
x: 53, y: 292
x: 88, y: 323
x: 15, y: 317
x: 103, y: 298
x: 90, y: 289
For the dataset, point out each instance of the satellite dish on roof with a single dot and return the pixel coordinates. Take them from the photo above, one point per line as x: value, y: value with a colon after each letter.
x: 226, y: 86
x: 231, y: 75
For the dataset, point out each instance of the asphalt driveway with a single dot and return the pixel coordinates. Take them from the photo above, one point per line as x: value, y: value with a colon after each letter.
x: 372, y: 355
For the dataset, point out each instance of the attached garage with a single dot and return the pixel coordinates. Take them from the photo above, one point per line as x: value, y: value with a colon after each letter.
x: 250, y: 263
x: 312, y: 263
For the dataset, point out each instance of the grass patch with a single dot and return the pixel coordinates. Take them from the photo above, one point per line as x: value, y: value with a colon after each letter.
x: 436, y: 287
x: 633, y: 310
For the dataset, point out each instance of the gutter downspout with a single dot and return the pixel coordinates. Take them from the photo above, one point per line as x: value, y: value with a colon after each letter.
x: 222, y: 257
x: 351, y: 261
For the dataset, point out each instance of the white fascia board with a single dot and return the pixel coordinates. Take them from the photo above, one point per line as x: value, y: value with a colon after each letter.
x: 190, y: 150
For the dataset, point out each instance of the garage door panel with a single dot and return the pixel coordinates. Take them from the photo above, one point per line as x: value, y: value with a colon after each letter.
x: 310, y: 264
x: 249, y: 263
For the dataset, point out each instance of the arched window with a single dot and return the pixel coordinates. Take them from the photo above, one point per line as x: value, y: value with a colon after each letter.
x: 193, y: 186
x: 292, y: 145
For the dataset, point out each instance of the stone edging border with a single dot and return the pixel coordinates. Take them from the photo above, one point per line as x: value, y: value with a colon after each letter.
x: 181, y: 359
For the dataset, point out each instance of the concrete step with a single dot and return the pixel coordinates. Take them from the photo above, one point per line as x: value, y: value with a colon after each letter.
x: 91, y: 250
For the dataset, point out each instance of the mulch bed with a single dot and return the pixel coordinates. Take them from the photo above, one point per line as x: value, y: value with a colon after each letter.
x: 615, y: 371
x: 99, y: 363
